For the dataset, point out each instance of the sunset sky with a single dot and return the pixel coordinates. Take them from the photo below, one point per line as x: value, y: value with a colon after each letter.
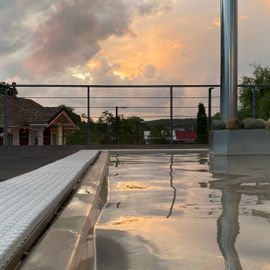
x: 124, y: 42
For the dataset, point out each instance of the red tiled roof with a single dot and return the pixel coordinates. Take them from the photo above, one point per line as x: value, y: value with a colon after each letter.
x: 186, y: 134
x: 22, y: 112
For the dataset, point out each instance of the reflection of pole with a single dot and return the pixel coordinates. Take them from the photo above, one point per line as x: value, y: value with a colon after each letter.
x: 117, y: 161
x: 228, y: 229
x: 172, y: 186
x: 116, y: 125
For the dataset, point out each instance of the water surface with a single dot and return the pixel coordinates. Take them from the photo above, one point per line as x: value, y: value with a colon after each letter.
x: 186, y: 211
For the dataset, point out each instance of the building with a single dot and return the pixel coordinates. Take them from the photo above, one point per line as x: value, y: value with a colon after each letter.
x: 186, y: 136
x: 29, y: 123
x: 183, y: 134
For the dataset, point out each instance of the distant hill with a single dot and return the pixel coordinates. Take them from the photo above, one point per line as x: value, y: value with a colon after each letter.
x: 187, y: 122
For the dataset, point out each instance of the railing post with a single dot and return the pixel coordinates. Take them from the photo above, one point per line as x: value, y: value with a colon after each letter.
x: 171, y: 113
x: 88, y: 115
x: 210, y: 108
x: 5, y: 139
x: 254, y: 102
x: 116, y: 125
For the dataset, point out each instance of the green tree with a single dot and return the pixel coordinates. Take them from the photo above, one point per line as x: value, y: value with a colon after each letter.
x: 159, y: 135
x: 260, y: 75
x: 70, y: 111
x: 12, y: 90
x: 131, y: 130
x: 106, y: 128
x: 202, y: 128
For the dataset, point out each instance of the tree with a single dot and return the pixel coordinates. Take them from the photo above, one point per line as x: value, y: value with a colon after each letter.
x: 159, y: 135
x: 202, y: 128
x: 70, y: 111
x: 11, y: 91
x: 260, y: 75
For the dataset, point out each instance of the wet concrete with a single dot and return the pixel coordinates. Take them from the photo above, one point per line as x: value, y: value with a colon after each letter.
x: 69, y: 241
x: 186, y: 211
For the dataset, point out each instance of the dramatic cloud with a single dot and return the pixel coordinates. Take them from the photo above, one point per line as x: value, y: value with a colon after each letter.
x: 124, y: 41
x: 216, y: 22
x: 72, y: 33
x: 17, y: 20
x: 154, y: 6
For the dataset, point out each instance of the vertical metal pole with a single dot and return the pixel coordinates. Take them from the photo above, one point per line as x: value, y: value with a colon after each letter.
x: 229, y: 59
x: 88, y: 115
x: 254, y: 102
x: 5, y: 141
x: 116, y: 125
x: 210, y: 108
x: 171, y: 113
x: 137, y: 132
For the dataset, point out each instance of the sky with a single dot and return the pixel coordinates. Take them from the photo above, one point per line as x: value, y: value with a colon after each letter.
x: 124, y: 42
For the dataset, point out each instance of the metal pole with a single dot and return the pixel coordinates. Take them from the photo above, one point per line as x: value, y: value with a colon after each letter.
x: 171, y: 113
x: 88, y: 115
x: 5, y: 141
x: 116, y: 125
x: 210, y: 108
x: 254, y: 102
x: 137, y: 132
x: 229, y: 59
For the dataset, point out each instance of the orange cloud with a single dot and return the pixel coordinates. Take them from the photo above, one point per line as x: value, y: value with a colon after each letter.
x: 216, y: 22
x: 152, y: 45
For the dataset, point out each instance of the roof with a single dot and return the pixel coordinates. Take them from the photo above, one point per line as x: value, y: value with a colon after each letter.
x: 24, y: 112
x: 186, y: 134
x: 179, y: 125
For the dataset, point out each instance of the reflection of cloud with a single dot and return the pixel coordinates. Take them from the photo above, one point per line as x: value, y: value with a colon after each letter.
x: 216, y: 22
x: 133, y: 186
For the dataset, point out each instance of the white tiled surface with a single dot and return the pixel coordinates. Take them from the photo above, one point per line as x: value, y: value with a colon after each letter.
x: 27, y: 199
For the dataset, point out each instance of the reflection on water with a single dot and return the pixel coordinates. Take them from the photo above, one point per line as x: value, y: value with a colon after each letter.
x: 172, y: 186
x: 186, y: 211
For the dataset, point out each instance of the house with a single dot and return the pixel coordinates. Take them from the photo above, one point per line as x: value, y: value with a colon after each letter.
x: 29, y: 123
x: 184, y: 134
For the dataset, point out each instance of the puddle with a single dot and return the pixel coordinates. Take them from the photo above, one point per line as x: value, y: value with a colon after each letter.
x: 186, y: 211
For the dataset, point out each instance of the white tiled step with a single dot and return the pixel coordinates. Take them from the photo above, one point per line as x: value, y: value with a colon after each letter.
x: 27, y: 199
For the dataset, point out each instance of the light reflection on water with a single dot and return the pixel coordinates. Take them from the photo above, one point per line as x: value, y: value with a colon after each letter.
x: 186, y: 211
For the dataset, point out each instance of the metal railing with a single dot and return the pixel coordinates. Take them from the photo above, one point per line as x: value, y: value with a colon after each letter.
x: 170, y: 97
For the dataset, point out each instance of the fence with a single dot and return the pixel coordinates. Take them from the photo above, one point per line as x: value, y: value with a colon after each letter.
x: 91, y: 99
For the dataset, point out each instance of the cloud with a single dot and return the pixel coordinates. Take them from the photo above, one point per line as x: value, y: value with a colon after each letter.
x: 154, y: 6
x: 216, y: 22
x: 72, y: 33
x: 17, y: 20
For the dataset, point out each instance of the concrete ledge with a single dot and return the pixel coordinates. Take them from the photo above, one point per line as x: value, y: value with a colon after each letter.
x: 157, y: 151
x: 69, y: 242
x: 240, y: 142
x: 29, y: 201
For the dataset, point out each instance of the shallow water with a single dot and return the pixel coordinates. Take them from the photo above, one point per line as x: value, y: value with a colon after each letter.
x: 186, y: 211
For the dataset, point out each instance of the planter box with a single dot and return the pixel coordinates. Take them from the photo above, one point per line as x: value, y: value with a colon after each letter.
x: 240, y: 142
